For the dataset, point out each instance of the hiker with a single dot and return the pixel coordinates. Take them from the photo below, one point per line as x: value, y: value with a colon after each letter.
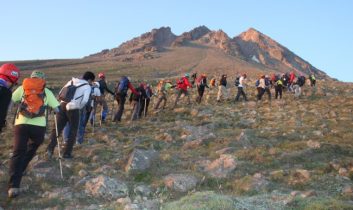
x: 222, y: 88
x: 193, y: 78
x: 297, y: 89
x: 85, y: 114
x: 146, y: 101
x: 268, y: 85
x: 74, y: 96
x: 136, y: 100
x: 292, y: 79
x: 182, y: 86
x: 9, y: 75
x: 120, y: 96
x: 103, y: 87
x: 30, y: 125
x: 285, y: 80
x: 261, y: 87
x: 312, y: 80
x: 212, y: 83
x: 201, y: 84
x: 240, y: 84
x: 162, y: 89
x: 278, y: 87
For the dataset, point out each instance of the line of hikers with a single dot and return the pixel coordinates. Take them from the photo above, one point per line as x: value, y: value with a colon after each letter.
x: 77, y: 104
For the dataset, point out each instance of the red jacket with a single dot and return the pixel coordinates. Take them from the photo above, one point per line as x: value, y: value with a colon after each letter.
x: 291, y: 77
x: 132, y: 89
x: 183, y: 83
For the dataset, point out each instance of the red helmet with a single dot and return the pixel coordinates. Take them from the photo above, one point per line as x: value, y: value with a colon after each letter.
x: 101, y: 75
x: 9, y: 72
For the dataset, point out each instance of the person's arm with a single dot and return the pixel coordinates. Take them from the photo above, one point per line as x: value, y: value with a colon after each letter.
x: 132, y: 89
x: 52, y: 102
x: 187, y: 83
x: 108, y: 90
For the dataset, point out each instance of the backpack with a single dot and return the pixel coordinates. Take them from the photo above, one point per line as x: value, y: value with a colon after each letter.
x: 67, y: 94
x: 301, y: 81
x: 267, y: 82
x: 122, y: 85
x: 257, y: 83
x: 237, y: 82
x: 180, y: 81
x: 32, y: 104
x: 213, y: 82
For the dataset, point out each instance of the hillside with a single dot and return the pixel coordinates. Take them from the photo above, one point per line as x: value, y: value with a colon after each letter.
x: 287, y: 154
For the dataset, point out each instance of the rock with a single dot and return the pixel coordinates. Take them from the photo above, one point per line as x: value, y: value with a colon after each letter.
x: 106, y: 188
x: 294, y: 193
x: 318, y: 133
x: 165, y: 137
x: 347, y: 190
x: 95, y: 158
x: 62, y: 193
x: 335, y: 164
x: 226, y: 150
x: 307, y: 194
x: 145, y: 205
x: 193, y: 144
x: 313, y: 144
x: 303, y: 173
x: 140, y: 160
x: 194, y: 112
x: 221, y: 167
x: 343, y: 172
x: 246, y: 123
x: 82, y: 173
x: 180, y: 182
x: 201, y: 200
x: 143, y: 190
x: 181, y: 110
x: 124, y: 201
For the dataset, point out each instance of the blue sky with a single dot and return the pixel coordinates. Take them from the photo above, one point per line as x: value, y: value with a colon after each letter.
x: 319, y: 31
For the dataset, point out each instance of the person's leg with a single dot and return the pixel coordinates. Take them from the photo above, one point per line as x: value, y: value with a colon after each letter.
x: 105, y: 109
x: 164, y: 101
x: 82, y: 126
x: 66, y: 132
x: 141, y: 108
x: 238, y: 94
x: 219, y: 94
x: 36, y: 135
x: 21, y: 136
x: 187, y: 95
x: 160, y: 98
x: 243, y: 93
x: 135, y: 108
x: 276, y: 92
x: 61, y: 123
x: 147, y: 104
x: 177, y: 98
x: 73, y: 118
x: 280, y: 92
x: 121, y: 101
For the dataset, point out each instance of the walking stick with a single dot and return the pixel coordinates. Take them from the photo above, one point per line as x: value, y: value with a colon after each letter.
x: 93, y: 115
x: 113, y: 108
x: 145, y: 109
x: 101, y: 117
x: 58, y: 142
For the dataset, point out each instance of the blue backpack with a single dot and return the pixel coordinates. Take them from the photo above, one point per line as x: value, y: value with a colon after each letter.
x: 257, y: 83
x: 122, y: 85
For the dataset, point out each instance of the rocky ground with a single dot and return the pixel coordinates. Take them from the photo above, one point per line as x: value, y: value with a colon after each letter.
x: 284, y: 154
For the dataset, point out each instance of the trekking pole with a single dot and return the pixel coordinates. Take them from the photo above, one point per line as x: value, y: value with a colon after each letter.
x: 145, y: 109
x: 57, y: 140
x: 16, y: 114
x: 101, y: 117
x: 93, y: 115
x: 113, y: 109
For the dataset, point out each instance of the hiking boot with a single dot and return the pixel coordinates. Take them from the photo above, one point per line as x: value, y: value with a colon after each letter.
x: 13, y: 192
x: 68, y: 156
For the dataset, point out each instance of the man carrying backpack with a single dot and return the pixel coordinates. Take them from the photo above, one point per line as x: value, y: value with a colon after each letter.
x: 261, y: 87
x: 201, y: 83
x: 222, y: 88
x: 278, y: 87
x: 103, y: 87
x: 137, y: 101
x: 146, y: 102
x: 9, y: 75
x: 312, y: 80
x: 85, y: 114
x: 182, y: 86
x: 74, y: 96
x: 30, y: 125
x: 240, y: 85
x: 120, y: 96
x: 268, y: 85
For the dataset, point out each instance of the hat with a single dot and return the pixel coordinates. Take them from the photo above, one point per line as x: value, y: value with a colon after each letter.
x: 187, y: 75
x: 38, y: 74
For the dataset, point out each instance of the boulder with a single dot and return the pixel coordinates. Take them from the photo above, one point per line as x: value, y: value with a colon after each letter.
x: 221, y: 167
x: 141, y: 160
x: 313, y: 144
x: 347, y: 190
x: 143, y: 190
x: 180, y: 182
x: 106, y: 188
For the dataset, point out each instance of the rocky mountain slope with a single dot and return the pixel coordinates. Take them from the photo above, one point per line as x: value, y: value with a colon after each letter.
x: 251, y: 46
x: 283, y: 154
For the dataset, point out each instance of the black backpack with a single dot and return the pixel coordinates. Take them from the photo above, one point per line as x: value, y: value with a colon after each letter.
x: 237, y: 82
x: 301, y: 81
x: 67, y: 94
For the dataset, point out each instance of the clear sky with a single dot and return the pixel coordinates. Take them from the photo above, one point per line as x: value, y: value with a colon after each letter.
x: 319, y: 31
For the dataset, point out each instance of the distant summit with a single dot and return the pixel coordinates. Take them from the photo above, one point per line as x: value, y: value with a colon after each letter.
x: 251, y: 46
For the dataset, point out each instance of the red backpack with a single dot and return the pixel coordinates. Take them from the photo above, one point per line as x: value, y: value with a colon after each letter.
x: 32, y: 104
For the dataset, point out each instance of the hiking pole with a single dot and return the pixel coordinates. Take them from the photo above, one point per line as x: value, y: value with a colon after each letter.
x: 57, y: 140
x: 101, y: 117
x: 113, y: 109
x: 145, y: 109
x: 93, y: 115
